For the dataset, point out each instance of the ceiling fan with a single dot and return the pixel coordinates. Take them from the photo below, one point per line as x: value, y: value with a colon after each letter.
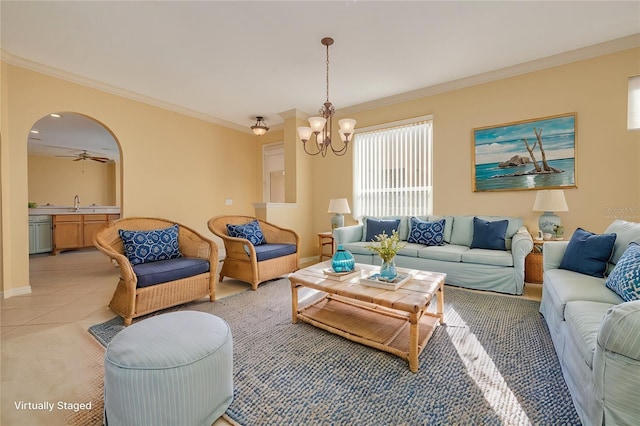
x: 84, y: 155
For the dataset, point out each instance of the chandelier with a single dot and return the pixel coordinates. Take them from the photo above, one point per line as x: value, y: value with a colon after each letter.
x: 321, y: 126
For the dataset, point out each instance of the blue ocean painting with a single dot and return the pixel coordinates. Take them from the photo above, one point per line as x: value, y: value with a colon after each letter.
x: 497, y: 145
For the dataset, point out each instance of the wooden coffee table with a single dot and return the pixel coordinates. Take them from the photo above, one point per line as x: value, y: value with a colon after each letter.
x: 394, y: 321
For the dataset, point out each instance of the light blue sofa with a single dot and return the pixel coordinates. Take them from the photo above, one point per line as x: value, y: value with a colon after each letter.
x: 495, y: 270
x: 596, y: 335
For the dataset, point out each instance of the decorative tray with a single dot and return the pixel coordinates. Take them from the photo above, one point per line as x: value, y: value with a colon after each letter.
x: 376, y: 280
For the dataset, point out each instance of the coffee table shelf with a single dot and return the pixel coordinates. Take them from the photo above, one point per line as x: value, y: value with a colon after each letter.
x: 394, y: 321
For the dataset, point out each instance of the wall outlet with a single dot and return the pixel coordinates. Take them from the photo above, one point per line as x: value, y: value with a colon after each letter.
x: 228, y: 201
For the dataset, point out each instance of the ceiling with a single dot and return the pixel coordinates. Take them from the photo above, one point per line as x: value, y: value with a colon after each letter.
x: 229, y: 61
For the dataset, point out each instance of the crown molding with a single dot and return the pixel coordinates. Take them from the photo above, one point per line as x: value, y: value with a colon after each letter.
x: 629, y: 42
x: 95, y: 84
x: 588, y: 52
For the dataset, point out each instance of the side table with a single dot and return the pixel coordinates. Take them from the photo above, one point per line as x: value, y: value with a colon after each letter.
x: 325, y: 239
x: 533, y: 269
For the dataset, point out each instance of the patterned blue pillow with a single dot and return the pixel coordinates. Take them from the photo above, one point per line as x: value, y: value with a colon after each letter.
x: 250, y: 231
x: 150, y: 246
x: 428, y: 233
x: 625, y: 277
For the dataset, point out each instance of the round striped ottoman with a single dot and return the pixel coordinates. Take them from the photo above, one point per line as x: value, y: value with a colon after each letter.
x: 171, y: 369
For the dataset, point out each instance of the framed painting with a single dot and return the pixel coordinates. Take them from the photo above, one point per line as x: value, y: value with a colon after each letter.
x: 530, y: 154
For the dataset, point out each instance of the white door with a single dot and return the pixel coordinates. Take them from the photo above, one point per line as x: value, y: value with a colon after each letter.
x: 273, y: 167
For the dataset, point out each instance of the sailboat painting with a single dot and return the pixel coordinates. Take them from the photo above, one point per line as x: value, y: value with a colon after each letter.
x: 529, y: 154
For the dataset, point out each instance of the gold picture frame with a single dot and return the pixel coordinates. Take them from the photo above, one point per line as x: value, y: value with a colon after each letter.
x: 533, y: 154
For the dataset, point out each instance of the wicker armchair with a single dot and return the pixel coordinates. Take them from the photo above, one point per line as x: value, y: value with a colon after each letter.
x: 131, y: 301
x: 241, y: 260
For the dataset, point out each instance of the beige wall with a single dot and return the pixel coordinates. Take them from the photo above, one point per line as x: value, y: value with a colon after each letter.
x: 173, y: 166
x: 608, y: 166
x: 178, y: 167
x: 57, y: 180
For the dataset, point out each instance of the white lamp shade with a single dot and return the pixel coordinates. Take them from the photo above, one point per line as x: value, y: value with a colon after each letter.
x: 347, y: 125
x: 304, y: 133
x: 550, y: 200
x: 633, y: 107
x: 339, y: 205
x: 317, y: 123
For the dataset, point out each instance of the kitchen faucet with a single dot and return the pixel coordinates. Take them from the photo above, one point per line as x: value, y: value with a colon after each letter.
x: 76, y: 203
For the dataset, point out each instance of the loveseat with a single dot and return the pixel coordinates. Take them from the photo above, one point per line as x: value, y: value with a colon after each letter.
x: 595, y: 332
x: 447, y: 244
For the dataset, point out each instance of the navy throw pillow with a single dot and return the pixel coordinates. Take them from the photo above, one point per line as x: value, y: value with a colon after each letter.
x: 489, y: 235
x: 588, y: 253
x: 150, y: 246
x: 377, y: 226
x: 427, y: 233
x: 249, y: 231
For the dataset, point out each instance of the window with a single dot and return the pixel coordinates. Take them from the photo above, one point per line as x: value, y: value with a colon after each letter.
x: 392, y: 169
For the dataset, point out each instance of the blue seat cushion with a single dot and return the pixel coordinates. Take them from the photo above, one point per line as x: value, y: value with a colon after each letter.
x: 271, y: 251
x: 162, y: 271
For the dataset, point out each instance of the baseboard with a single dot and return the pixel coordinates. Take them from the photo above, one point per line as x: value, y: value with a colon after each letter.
x: 15, y: 292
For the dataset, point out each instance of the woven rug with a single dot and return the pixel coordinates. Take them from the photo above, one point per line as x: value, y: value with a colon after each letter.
x: 493, y: 363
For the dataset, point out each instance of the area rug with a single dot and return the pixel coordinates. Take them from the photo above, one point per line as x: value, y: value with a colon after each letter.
x: 493, y: 363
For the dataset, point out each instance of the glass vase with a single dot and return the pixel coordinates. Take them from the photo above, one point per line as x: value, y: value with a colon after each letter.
x: 388, y: 270
x: 343, y: 261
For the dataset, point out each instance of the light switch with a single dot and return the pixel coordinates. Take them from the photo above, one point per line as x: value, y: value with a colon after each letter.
x: 228, y: 201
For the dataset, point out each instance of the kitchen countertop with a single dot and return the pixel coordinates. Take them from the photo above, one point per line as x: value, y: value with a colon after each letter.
x: 58, y: 210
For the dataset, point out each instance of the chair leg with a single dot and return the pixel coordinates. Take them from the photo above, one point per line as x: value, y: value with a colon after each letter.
x: 127, y: 321
x: 220, y: 277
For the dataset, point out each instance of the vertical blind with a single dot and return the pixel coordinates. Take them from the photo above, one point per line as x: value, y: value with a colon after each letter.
x: 392, y: 171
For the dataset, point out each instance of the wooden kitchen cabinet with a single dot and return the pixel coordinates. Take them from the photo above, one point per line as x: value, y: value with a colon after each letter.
x: 90, y: 224
x: 73, y: 231
x: 67, y: 232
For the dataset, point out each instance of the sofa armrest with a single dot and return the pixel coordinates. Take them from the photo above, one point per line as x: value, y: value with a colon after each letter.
x: 552, y: 254
x: 521, y: 244
x: 619, y: 330
x: 616, y: 364
x: 348, y: 234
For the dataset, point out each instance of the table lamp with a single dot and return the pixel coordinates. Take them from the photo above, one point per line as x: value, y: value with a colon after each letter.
x: 339, y: 206
x: 549, y: 201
